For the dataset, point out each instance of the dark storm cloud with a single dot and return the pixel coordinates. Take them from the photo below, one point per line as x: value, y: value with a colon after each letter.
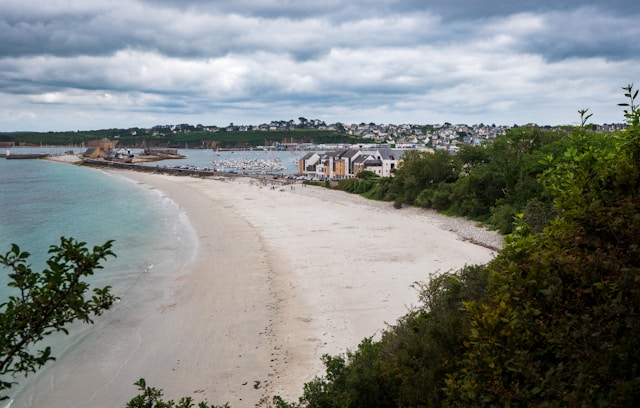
x: 586, y: 33
x: 415, y: 60
x: 479, y: 10
x: 203, y: 29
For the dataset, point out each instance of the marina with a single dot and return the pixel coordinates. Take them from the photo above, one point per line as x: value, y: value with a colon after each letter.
x: 200, y: 161
x: 248, y: 165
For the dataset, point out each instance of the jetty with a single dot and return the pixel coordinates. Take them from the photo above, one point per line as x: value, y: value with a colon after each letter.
x: 25, y: 156
x: 174, y: 171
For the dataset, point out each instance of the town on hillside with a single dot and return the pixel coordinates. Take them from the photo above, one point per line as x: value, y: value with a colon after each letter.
x: 283, y: 135
x: 378, y: 148
x: 438, y: 136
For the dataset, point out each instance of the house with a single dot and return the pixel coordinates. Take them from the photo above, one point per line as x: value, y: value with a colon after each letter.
x: 390, y: 158
x: 100, y: 148
x: 347, y: 163
x: 308, y: 163
x: 339, y: 163
x: 329, y: 161
x: 367, y: 162
x: 348, y: 157
x: 107, y: 145
x: 94, y: 153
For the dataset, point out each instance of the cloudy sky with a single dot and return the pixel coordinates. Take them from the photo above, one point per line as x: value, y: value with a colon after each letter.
x: 80, y: 65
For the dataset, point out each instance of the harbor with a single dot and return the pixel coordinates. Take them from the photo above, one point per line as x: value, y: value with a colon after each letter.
x: 197, y: 162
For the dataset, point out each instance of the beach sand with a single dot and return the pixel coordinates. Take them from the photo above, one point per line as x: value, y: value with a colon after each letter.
x: 283, y: 274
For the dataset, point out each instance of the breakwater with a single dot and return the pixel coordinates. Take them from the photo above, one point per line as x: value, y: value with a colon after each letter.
x: 26, y: 156
x: 173, y: 171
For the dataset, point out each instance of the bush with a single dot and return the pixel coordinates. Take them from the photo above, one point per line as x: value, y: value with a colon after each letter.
x: 503, y: 217
x: 366, y: 175
x: 409, y: 364
x: 560, y: 324
x: 441, y: 198
x: 424, y: 199
x: 380, y: 189
x: 538, y: 214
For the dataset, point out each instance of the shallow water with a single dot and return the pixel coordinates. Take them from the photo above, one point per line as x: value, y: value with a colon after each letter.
x: 40, y: 201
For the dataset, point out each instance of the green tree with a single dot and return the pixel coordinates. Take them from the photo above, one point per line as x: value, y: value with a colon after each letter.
x: 422, y: 171
x: 475, y: 194
x: 471, y: 156
x: 489, y: 183
x: 560, y: 324
x: 366, y: 175
x: 47, y: 302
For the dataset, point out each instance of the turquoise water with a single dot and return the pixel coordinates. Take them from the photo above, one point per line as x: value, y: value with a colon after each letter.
x: 40, y: 201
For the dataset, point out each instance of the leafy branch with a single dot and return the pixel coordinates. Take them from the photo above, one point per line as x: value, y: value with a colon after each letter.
x: 151, y: 397
x: 632, y: 111
x: 584, y: 117
x: 46, y: 303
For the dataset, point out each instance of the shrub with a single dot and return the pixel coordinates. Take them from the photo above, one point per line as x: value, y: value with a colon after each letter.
x: 503, y: 217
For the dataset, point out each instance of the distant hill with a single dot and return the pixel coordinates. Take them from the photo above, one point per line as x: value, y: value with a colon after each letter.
x: 179, y: 139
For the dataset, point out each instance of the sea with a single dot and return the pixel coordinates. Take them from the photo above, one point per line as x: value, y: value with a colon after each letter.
x: 42, y: 201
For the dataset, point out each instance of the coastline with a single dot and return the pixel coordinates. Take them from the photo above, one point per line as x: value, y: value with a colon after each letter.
x: 282, y: 276
x: 334, y: 268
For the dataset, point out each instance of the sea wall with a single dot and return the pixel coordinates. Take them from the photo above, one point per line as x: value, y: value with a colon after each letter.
x: 174, y: 171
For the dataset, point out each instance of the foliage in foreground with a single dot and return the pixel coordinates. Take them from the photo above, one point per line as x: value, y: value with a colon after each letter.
x: 46, y: 302
x: 151, y: 397
x: 407, y: 366
x: 560, y: 325
x: 552, y: 321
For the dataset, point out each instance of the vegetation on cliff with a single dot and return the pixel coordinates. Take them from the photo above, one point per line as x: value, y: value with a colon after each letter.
x: 490, y: 183
x: 552, y: 321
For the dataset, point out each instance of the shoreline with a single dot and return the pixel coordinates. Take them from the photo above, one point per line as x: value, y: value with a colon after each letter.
x: 282, y: 276
x: 326, y: 290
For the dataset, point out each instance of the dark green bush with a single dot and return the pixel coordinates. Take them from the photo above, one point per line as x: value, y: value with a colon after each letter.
x: 503, y: 217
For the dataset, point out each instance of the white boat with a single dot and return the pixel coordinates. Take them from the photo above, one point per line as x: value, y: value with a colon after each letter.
x: 248, y: 165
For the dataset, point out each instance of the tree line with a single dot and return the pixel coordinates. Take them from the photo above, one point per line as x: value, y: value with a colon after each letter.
x: 193, y: 139
x: 490, y: 183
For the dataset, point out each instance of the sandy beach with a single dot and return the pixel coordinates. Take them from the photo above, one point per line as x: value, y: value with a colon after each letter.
x: 283, y: 274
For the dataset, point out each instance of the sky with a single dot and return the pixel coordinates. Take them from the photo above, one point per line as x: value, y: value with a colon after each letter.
x: 83, y: 65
